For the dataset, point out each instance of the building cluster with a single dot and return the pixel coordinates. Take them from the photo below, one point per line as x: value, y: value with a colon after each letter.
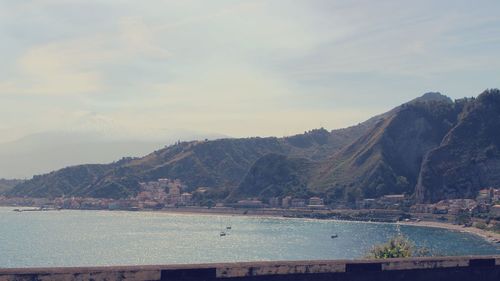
x: 487, y: 203
x: 165, y: 192
x: 392, y: 201
x: 283, y: 202
x: 152, y: 195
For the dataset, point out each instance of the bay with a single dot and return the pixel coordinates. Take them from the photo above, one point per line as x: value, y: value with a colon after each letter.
x: 100, y: 238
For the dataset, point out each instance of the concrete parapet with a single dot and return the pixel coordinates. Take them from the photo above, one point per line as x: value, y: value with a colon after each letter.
x: 434, y: 268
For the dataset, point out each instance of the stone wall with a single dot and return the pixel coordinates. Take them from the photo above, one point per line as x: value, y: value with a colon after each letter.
x: 441, y: 268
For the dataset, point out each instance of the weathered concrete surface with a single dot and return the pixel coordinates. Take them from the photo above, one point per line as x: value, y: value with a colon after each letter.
x: 443, y: 268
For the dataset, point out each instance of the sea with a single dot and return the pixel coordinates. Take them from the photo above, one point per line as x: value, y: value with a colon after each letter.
x: 101, y: 238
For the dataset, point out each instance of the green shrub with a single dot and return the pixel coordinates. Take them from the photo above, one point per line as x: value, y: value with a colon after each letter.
x: 480, y: 225
x: 397, y: 247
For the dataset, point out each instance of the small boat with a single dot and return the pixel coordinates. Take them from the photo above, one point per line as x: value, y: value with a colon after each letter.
x: 222, y: 233
x: 334, y: 236
x: 228, y: 227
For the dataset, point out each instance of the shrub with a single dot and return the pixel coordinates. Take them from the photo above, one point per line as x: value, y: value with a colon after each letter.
x: 397, y: 247
x: 480, y: 225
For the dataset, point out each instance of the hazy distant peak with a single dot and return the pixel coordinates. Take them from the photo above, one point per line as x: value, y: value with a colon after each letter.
x: 432, y: 96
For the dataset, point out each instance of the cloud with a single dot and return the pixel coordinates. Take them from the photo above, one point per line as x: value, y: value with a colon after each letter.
x: 235, y: 67
x: 80, y: 65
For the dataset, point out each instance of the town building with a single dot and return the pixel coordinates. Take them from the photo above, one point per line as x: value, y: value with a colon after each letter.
x: 249, y: 204
x: 298, y: 203
x: 286, y: 202
x: 274, y: 202
x: 495, y: 211
x: 316, y: 203
x: 186, y: 198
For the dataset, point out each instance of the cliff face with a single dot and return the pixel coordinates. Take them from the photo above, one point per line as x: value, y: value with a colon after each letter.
x: 468, y: 158
x: 386, y: 160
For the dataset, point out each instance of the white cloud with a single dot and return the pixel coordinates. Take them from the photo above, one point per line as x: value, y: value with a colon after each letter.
x: 234, y: 67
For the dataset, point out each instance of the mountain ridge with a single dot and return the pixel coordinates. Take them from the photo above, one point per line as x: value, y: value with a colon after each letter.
x: 387, y: 154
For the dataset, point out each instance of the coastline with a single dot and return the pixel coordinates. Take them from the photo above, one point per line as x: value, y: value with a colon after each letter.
x: 489, y: 236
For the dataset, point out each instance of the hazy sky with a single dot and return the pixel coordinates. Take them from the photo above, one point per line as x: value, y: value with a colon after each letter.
x: 239, y: 68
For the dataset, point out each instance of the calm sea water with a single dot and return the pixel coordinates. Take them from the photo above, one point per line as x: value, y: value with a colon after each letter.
x: 84, y: 238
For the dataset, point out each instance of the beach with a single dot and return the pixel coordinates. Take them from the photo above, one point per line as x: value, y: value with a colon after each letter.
x: 488, y: 235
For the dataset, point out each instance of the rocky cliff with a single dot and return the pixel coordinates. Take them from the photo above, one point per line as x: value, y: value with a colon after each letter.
x: 468, y: 158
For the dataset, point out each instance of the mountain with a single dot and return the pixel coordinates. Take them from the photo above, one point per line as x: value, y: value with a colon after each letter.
x: 431, y: 148
x: 468, y: 158
x: 386, y: 160
x: 219, y: 164
x: 274, y: 175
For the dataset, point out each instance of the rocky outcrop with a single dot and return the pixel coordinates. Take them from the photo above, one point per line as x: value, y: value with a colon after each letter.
x: 468, y: 158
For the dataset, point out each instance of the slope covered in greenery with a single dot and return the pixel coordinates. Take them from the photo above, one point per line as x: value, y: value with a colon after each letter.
x: 431, y: 148
x: 218, y: 164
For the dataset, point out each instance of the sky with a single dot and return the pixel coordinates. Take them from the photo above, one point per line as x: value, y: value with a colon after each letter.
x: 236, y: 68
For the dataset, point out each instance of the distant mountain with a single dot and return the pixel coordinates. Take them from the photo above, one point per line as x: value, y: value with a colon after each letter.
x: 431, y: 148
x: 7, y: 184
x: 44, y: 152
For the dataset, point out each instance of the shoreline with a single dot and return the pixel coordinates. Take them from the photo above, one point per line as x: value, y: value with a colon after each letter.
x: 489, y: 236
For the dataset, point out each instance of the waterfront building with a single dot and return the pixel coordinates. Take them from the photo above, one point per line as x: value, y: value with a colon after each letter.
x: 495, y: 211
x: 394, y: 198
x: 286, y: 202
x: 250, y: 204
x: 316, y: 201
x: 367, y: 203
x: 298, y: 203
x: 274, y: 202
x: 186, y: 198
x: 422, y: 208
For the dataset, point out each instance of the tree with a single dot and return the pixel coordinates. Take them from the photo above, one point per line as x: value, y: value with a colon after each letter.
x: 463, y: 217
x: 397, y: 247
x: 402, y: 183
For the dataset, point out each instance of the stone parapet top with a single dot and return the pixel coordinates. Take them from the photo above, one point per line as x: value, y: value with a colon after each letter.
x: 246, y: 269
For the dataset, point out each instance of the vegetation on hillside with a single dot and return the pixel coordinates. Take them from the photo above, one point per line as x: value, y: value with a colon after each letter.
x: 431, y: 147
x: 8, y: 184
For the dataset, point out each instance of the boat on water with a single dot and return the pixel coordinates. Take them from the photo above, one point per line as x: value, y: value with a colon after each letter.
x: 334, y: 236
x: 228, y: 227
x: 222, y: 233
